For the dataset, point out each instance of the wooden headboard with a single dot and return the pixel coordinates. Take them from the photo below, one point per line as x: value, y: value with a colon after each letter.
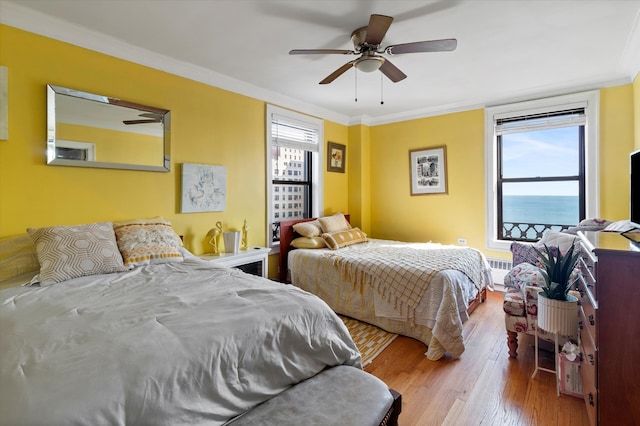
x: 287, y: 234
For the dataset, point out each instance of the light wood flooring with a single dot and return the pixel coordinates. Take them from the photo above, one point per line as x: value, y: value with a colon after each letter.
x: 484, y: 386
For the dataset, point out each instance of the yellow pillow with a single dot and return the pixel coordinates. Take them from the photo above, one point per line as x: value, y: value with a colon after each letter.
x: 309, y: 243
x: 148, y: 243
x: 308, y: 229
x: 339, y: 239
x: 334, y: 223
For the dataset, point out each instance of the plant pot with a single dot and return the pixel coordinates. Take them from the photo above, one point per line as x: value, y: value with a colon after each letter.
x: 558, y: 316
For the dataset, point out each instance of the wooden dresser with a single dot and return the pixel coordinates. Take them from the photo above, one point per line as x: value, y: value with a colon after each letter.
x: 610, y: 329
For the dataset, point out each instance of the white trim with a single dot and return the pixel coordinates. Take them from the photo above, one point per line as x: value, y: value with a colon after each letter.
x: 317, y: 189
x: 591, y: 102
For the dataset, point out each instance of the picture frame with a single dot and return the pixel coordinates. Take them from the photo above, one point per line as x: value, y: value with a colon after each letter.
x: 428, y: 170
x: 204, y: 188
x: 336, y: 157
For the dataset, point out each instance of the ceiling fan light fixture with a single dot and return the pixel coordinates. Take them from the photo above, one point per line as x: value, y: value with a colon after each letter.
x: 369, y: 63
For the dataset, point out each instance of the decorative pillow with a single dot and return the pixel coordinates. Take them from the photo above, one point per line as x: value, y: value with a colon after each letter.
x: 524, y: 274
x: 148, y: 243
x: 347, y: 237
x: 157, y: 219
x: 334, y: 223
x: 308, y: 229
x: 557, y: 239
x: 66, y: 252
x: 17, y: 256
x: 309, y: 243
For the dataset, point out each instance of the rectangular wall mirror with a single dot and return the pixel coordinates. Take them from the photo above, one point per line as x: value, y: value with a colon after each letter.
x: 89, y: 130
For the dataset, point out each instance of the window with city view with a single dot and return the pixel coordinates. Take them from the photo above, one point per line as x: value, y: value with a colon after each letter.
x: 294, y: 174
x: 541, y: 164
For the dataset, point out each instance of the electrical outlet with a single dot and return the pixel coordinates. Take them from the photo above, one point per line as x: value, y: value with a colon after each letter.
x: 462, y: 241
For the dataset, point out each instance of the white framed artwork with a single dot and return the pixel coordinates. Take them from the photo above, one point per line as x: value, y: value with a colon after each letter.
x: 204, y: 188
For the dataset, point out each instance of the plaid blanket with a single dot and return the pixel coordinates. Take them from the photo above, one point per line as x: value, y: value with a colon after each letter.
x: 401, y: 273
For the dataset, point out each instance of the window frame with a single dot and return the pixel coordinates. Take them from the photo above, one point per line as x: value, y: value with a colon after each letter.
x: 590, y: 101
x: 316, y: 172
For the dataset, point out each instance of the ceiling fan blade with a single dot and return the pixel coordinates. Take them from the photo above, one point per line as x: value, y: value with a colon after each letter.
x: 150, y: 115
x: 320, y: 52
x: 140, y: 121
x: 377, y: 28
x: 445, y: 45
x: 337, y: 73
x: 392, y: 71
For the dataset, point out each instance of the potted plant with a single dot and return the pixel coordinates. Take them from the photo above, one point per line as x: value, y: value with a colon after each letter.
x: 557, y: 309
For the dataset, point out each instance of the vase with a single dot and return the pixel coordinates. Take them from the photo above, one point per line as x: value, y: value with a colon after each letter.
x: 558, y: 316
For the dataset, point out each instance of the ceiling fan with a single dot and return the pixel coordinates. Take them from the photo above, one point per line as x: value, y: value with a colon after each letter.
x: 366, y: 43
x: 150, y: 117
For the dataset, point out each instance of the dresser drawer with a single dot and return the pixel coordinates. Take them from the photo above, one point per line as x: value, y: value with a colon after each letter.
x: 588, y: 366
x: 587, y: 320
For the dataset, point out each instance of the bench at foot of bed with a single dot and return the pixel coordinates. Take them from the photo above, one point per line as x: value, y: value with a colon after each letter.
x: 340, y: 395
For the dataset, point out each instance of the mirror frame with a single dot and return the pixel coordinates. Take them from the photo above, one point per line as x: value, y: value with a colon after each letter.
x: 52, y: 91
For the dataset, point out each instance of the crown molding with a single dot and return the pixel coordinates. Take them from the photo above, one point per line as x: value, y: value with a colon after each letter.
x: 630, y: 59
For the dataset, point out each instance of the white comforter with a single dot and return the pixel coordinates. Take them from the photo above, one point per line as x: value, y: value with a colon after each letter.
x: 179, y: 343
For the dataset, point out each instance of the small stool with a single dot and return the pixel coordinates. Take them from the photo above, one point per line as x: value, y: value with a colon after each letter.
x: 340, y: 395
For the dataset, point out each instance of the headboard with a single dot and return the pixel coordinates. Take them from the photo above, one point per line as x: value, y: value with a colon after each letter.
x: 287, y: 234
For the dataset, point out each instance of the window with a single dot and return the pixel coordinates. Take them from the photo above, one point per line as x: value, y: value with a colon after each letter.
x: 295, y: 142
x: 541, y: 167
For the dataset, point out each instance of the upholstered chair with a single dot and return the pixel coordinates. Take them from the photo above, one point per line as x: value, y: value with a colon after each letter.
x: 522, y: 284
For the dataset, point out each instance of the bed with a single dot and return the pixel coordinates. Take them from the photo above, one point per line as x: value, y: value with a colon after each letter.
x: 156, y: 337
x: 421, y: 290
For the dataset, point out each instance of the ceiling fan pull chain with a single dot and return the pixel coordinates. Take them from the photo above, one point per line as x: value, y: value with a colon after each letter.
x: 381, y: 90
x: 356, y: 85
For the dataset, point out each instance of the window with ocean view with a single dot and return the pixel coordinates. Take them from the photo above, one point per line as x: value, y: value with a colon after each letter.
x: 542, y: 163
x: 540, y: 183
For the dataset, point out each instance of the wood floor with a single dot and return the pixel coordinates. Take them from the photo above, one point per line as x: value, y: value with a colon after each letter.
x: 484, y: 386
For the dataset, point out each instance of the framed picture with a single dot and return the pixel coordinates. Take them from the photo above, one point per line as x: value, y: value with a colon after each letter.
x: 204, y: 188
x: 336, y: 157
x: 428, y: 168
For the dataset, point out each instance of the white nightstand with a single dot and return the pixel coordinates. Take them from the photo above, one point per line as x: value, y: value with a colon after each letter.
x: 252, y: 260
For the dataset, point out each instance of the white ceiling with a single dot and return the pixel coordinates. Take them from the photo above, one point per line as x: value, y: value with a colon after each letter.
x: 507, y: 49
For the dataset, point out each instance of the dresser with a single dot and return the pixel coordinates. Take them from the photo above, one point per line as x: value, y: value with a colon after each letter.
x: 609, y: 327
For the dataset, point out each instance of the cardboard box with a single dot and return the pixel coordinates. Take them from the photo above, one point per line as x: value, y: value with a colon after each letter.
x: 569, y: 376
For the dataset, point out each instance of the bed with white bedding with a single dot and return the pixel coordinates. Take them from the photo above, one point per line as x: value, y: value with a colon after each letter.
x: 163, y: 343
x: 421, y: 290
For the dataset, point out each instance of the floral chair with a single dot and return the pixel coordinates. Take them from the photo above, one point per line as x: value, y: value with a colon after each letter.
x: 520, y: 304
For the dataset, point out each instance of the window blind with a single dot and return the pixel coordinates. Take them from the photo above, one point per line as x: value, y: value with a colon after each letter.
x: 547, y: 120
x: 289, y: 133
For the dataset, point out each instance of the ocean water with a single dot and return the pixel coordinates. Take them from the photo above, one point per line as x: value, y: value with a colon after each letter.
x: 544, y: 209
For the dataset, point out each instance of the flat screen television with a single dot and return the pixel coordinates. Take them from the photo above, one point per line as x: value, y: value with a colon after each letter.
x: 635, y: 187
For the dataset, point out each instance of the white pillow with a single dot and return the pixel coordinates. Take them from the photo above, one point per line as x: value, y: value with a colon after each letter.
x: 557, y: 239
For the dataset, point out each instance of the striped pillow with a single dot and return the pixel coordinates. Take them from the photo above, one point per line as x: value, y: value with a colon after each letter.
x: 66, y: 252
x: 339, y: 239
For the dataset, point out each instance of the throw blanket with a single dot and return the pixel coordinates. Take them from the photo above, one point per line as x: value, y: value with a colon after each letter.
x: 401, y: 273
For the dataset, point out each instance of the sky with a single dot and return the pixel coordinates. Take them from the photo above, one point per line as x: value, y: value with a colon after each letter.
x: 549, y: 152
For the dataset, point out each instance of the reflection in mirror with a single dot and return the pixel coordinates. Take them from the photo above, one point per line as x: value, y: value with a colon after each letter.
x: 88, y: 130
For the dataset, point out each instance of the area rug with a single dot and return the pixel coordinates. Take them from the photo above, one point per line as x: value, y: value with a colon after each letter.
x: 369, y: 340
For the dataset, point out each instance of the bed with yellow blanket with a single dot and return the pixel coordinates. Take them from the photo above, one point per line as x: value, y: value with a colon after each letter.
x: 421, y: 290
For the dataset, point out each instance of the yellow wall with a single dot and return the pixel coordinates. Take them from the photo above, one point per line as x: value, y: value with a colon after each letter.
x: 114, y: 146
x: 636, y: 111
x: 460, y: 213
x: 213, y: 126
x: 209, y: 126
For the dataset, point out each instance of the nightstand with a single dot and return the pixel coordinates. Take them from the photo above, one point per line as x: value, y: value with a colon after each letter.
x: 252, y: 260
